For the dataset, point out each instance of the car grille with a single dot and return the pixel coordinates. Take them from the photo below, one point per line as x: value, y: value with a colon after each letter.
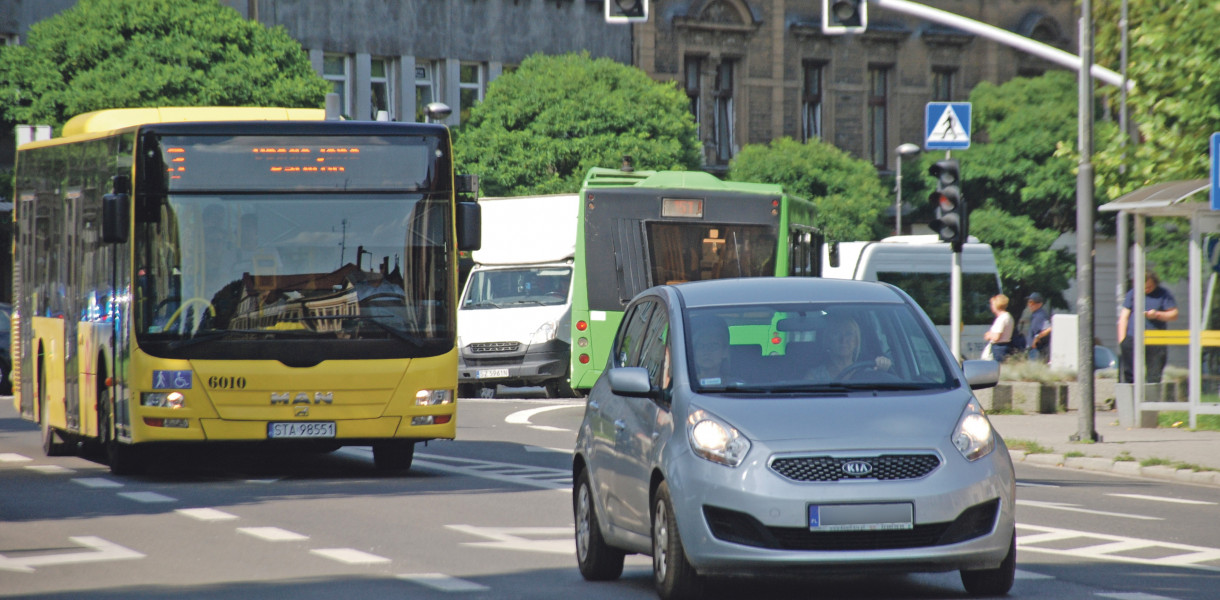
x: 494, y: 347
x: 741, y: 528
x: 830, y: 468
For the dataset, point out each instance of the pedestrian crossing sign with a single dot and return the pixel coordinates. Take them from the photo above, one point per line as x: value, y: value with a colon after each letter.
x: 947, y: 126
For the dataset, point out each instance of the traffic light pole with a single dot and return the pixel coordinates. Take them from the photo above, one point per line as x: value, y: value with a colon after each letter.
x: 955, y: 299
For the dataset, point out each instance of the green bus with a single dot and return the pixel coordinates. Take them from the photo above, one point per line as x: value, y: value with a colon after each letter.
x: 637, y: 229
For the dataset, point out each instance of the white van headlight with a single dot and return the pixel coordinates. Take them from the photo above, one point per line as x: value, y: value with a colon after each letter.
x: 973, y: 436
x: 544, y: 334
x: 715, y: 440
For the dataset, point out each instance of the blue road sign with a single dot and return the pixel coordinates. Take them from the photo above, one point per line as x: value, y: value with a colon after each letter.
x: 1216, y: 171
x: 947, y: 126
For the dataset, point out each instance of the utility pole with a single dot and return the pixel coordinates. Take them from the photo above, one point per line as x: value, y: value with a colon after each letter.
x: 1086, y: 430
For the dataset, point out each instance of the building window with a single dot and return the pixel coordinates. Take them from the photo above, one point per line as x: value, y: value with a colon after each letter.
x: 811, y: 102
x: 381, y: 88
x: 425, y: 88
x: 9, y: 39
x: 335, y: 68
x: 694, y: 70
x: 724, y: 111
x: 942, y: 85
x: 878, y: 93
x: 471, y: 82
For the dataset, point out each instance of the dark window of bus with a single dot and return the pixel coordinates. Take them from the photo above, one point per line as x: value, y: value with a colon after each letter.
x: 697, y: 251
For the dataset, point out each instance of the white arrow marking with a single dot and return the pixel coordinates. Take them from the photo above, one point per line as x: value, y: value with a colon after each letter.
x: 558, y: 540
x: 100, y: 550
x: 522, y: 417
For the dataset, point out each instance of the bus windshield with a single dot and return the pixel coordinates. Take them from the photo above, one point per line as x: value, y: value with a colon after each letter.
x: 240, y: 268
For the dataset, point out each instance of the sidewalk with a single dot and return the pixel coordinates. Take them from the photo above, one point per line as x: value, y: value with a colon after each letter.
x: 1171, y: 445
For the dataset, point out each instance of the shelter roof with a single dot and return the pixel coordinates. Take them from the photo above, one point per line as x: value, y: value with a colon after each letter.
x: 1167, y: 199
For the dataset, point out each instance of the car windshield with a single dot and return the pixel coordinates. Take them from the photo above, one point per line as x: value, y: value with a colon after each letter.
x: 813, y: 347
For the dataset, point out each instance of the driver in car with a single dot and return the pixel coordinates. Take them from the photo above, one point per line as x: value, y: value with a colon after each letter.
x: 843, y: 351
x: 711, y: 351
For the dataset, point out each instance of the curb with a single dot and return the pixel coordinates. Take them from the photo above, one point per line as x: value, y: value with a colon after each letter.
x: 1120, y: 467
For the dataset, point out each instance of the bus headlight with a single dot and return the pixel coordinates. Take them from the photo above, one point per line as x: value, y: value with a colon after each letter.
x: 162, y: 399
x: 433, y: 397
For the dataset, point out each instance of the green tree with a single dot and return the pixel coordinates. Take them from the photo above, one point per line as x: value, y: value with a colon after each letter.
x: 848, y: 194
x: 133, y: 53
x: 1024, y: 256
x: 542, y: 126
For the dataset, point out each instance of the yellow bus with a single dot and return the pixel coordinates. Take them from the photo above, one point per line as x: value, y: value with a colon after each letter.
x: 205, y: 276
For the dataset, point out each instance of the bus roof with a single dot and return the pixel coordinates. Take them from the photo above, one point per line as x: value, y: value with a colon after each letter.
x: 121, y: 118
x: 600, y: 177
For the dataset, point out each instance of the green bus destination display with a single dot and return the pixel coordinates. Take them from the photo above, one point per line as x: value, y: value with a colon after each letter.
x: 313, y: 163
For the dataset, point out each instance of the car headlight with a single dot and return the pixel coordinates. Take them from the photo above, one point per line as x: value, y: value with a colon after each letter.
x: 716, y: 440
x: 544, y: 334
x: 973, y: 435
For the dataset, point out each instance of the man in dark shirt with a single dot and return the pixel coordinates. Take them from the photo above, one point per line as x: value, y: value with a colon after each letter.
x: 1160, y: 308
x: 1039, y: 329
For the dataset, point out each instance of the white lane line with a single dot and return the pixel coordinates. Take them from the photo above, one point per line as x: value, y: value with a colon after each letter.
x: 1108, y: 547
x: 206, y: 514
x: 99, y: 550
x: 551, y: 540
x: 147, y: 497
x: 13, y: 457
x: 97, y: 482
x: 543, y: 449
x: 1076, y: 508
x: 1030, y: 575
x: 1035, y: 485
x: 1162, y: 499
x: 548, y: 428
x: 1131, y: 596
x: 50, y: 469
x: 444, y: 583
x: 273, y: 534
x: 262, y: 481
x: 350, y: 556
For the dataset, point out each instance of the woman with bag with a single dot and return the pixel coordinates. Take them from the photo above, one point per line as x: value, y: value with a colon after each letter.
x: 1000, y: 335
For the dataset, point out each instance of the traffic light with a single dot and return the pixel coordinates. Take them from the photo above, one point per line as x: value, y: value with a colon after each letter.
x: 951, y: 220
x: 844, y: 16
x: 626, y: 11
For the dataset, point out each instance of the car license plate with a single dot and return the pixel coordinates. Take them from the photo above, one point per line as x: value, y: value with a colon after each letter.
x: 301, y: 430
x: 491, y: 373
x: 861, y: 517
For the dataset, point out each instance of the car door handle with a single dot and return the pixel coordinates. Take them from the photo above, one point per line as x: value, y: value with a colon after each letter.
x: 594, y: 405
x: 620, y: 424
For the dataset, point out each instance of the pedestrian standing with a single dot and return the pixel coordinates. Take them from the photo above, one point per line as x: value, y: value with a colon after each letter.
x: 1000, y: 334
x: 1039, y: 329
x: 1160, y: 308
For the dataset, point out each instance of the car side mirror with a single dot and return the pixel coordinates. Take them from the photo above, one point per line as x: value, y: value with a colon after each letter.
x: 981, y: 374
x: 630, y: 381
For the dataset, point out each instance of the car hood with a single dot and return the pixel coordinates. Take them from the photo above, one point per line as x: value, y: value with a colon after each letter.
x: 513, y: 323
x: 857, y: 421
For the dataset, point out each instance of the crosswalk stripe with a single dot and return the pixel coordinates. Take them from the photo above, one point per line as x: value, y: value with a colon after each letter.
x: 444, y: 583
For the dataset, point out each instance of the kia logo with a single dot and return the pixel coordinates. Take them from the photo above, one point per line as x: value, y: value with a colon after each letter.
x: 857, y: 468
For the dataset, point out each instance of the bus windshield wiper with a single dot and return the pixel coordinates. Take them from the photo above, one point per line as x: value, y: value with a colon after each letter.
x: 410, y: 340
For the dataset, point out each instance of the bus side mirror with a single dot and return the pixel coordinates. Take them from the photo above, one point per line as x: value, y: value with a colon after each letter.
x: 115, y: 218
x: 469, y: 226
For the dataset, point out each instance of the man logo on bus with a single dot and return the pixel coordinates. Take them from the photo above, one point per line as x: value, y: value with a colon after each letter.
x: 280, y: 398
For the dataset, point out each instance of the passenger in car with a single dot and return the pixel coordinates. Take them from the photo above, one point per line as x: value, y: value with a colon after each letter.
x: 842, y: 348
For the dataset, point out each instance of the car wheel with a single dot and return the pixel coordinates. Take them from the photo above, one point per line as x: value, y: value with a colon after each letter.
x: 674, y: 575
x: 393, y: 456
x: 598, y: 561
x: 993, y: 582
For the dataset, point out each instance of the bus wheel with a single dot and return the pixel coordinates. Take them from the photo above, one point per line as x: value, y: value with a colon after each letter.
x: 124, y: 459
x: 393, y: 456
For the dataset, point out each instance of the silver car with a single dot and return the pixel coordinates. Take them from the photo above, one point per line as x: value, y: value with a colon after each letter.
x: 789, y: 425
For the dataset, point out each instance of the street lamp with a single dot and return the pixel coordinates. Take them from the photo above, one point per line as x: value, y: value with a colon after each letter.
x: 903, y: 150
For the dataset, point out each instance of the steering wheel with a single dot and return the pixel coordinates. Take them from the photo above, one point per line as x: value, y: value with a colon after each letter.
x: 859, y: 365
x: 201, y: 303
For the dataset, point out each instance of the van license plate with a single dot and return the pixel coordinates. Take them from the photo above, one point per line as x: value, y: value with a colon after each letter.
x: 492, y: 373
x: 301, y: 430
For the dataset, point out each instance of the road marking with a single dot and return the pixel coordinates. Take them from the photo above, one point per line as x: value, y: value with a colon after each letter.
x: 99, y: 550
x: 522, y: 417
x: 444, y: 583
x: 97, y: 482
x: 553, y: 540
x: 1162, y: 499
x: 12, y: 457
x: 1076, y: 508
x: 1035, y: 485
x: 567, y: 451
x: 539, y: 477
x: 1111, y: 547
x: 1132, y: 596
x: 1030, y: 575
x: 350, y: 556
x: 272, y: 534
x: 147, y: 497
x: 262, y: 481
x: 206, y: 514
x: 50, y: 469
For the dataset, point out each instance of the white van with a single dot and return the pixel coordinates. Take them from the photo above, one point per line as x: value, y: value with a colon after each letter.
x: 514, y: 319
x: 920, y: 265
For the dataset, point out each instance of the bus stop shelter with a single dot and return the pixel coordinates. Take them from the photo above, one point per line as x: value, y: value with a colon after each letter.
x: 1174, y: 199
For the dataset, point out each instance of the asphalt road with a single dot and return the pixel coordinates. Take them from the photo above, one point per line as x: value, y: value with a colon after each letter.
x: 489, y: 516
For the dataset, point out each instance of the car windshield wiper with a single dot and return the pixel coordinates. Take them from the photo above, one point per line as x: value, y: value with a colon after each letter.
x: 483, y: 303
x: 410, y: 340
x: 529, y: 301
